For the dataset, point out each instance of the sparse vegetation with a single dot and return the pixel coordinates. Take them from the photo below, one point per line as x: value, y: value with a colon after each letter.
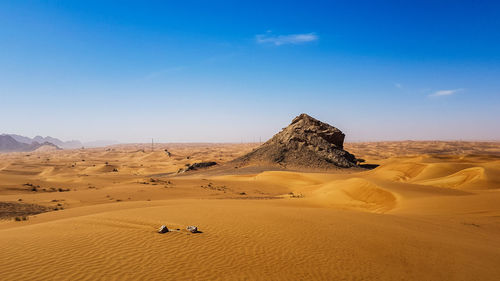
x: 20, y: 210
x: 211, y: 186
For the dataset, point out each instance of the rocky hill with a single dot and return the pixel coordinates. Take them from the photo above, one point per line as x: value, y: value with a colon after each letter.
x: 305, y: 143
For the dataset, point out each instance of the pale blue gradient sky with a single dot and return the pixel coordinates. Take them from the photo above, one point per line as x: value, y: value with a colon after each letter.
x: 226, y: 71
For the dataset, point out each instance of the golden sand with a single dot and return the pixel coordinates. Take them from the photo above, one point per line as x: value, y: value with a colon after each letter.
x: 421, y: 215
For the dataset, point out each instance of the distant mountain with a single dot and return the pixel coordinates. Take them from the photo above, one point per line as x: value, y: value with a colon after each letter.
x: 63, y: 144
x: 59, y: 143
x: 10, y: 144
x: 22, y: 139
x: 40, y: 140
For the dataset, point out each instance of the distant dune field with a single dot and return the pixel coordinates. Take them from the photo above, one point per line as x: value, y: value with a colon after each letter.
x: 428, y: 211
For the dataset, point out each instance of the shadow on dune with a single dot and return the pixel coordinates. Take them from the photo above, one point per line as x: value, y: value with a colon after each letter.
x: 368, y: 166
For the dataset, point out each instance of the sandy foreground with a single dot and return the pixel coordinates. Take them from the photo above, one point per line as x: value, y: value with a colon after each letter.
x: 430, y: 211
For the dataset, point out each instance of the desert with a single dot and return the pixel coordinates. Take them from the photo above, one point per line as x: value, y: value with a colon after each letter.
x: 250, y: 140
x: 412, y: 210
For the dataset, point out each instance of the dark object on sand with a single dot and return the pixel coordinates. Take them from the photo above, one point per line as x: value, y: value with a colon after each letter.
x: 19, y: 209
x: 201, y: 165
x: 163, y: 229
x: 196, y: 166
x: 192, y: 229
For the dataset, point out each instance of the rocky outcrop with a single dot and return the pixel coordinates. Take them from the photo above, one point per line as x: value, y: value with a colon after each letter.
x: 196, y: 166
x: 305, y: 143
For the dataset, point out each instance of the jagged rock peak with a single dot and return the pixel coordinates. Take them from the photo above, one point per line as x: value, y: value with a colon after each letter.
x: 310, y: 131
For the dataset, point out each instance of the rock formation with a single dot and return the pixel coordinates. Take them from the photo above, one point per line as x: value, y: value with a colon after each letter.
x: 305, y: 143
x: 196, y: 166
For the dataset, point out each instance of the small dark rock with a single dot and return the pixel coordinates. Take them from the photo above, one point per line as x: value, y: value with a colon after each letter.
x: 163, y: 229
x: 192, y: 229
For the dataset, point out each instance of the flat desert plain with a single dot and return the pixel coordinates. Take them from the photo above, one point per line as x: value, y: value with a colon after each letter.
x: 429, y: 211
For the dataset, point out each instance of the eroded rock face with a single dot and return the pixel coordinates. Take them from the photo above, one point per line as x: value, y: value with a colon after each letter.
x: 306, y: 142
x: 309, y: 131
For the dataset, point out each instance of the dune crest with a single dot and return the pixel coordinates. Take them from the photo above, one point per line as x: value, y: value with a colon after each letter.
x: 356, y: 193
x: 401, y: 171
x: 456, y: 180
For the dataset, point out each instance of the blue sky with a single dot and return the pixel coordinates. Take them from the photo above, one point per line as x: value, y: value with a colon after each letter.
x: 235, y: 71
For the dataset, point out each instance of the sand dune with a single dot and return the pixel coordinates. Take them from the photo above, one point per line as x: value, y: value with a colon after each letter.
x: 458, y: 179
x: 414, y: 217
x: 356, y: 193
x: 271, y: 242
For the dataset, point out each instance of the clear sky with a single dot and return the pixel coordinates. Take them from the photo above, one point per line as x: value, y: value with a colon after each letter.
x: 235, y: 71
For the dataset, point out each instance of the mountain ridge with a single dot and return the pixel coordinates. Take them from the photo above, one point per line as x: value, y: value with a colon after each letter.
x: 10, y: 144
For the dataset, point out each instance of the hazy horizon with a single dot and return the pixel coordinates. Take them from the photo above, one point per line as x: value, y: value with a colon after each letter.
x: 237, y: 72
x: 253, y: 140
